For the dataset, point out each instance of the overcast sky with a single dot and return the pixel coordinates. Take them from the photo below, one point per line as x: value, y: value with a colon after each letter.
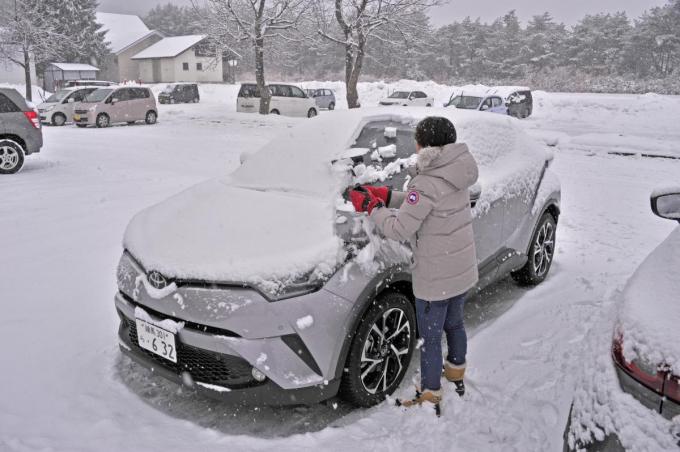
x: 569, y: 11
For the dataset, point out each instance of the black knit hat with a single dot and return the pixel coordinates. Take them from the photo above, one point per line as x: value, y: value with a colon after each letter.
x: 435, y: 131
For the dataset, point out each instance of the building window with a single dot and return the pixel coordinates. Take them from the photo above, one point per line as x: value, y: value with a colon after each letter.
x: 185, y: 66
x: 199, y: 66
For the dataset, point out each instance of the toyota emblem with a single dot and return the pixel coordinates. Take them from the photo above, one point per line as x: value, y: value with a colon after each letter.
x: 157, y: 280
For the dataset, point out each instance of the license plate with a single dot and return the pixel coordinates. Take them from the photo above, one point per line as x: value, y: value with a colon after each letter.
x: 76, y: 117
x: 156, y: 340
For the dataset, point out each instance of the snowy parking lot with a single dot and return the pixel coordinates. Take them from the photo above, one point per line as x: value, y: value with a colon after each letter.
x: 66, y: 387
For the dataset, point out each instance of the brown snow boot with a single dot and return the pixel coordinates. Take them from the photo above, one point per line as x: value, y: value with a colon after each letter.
x: 455, y: 373
x: 433, y: 397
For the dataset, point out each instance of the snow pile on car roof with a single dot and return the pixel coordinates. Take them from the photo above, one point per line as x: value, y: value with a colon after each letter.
x: 273, y: 218
x: 651, y: 309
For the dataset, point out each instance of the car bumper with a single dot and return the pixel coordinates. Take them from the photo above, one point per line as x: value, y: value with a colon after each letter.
x: 219, y: 376
x: 647, y: 397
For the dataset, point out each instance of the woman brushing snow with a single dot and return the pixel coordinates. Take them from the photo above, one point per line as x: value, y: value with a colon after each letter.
x: 434, y: 215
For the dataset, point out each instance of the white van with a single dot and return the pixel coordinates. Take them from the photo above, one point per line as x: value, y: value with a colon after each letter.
x: 286, y: 100
x: 58, y: 108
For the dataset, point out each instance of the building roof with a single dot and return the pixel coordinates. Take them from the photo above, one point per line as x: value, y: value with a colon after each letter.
x: 122, y: 30
x: 74, y: 67
x: 169, y: 47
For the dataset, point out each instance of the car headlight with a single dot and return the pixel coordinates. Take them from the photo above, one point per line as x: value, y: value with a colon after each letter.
x: 294, y: 287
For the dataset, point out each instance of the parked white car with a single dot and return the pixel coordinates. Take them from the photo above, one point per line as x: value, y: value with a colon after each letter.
x: 408, y: 99
x: 57, y: 109
x: 288, y: 100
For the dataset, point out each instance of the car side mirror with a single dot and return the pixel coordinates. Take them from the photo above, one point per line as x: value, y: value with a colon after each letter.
x: 484, y: 107
x: 666, y: 204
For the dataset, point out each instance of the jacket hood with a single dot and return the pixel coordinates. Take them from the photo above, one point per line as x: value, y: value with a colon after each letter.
x: 453, y: 163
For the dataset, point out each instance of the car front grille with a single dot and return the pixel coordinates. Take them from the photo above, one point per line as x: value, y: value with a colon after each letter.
x: 204, y: 365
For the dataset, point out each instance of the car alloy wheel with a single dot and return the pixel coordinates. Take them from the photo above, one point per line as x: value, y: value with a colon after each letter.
x: 385, y: 351
x: 58, y: 119
x: 150, y: 117
x: 311, y: 113
x: 543, y: 249
x: 102, y: 121
x: 11, y: 157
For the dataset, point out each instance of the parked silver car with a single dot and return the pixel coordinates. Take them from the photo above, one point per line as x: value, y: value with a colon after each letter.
x: 266, y: 287
x: 107, y: 106
x: 20, y: 132
x: 324, y: 98
x: 57, y: 109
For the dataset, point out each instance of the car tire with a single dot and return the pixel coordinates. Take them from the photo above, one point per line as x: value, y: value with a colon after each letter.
x: 103, y: 120
x: 311, y: 113
x: 151, y: 117
x: 11, y: 157
x: 58, y: 119
x: 331, y: 106
x: 375, y: 366
x: 541, y: 253
x: 274, y: 112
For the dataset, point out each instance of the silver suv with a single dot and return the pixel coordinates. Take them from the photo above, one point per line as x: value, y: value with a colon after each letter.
x: 20, y: 132
x: 107, y: 106
x: 266, y: 287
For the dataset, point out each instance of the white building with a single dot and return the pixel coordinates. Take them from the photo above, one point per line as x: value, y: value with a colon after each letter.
x: 179, y: 59
x: 126, y: 35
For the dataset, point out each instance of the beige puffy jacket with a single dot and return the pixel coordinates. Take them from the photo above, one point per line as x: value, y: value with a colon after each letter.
x: 435, y: 217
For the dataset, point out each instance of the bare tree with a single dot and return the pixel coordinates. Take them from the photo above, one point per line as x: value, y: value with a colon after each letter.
x: 354, y: 23
x: 230, y: 22
x: 25, y: 35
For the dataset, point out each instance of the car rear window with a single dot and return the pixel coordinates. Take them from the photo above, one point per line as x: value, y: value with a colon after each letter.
x: 7, y: 106
x: 249, y: 90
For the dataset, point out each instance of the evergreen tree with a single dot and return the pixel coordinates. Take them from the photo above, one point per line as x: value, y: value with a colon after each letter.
x: 173, y: 20
x: 76, y: 20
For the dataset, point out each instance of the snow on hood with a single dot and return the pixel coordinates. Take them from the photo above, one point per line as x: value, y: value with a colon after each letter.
x: 650, y: 316
x: 274, y: 217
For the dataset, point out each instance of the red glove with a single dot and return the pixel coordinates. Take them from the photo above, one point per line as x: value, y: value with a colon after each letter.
x: 364, y: 201
x: 382, y: 193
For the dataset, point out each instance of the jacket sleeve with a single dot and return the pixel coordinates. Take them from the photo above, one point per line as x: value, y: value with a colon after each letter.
x: 402, y: 224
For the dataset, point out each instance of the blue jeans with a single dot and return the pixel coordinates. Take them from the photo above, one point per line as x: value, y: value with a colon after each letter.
x: 434, y: 318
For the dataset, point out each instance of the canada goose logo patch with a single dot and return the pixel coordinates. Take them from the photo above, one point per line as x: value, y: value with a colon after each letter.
x: 413, y: 198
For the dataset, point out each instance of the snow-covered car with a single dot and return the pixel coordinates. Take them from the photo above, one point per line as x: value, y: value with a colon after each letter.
x: 408, y: 99
x: 507, y: 100
x: 288, y: 100
x: 265, y: 287
x: 646, y: 345
x: 57, y: 109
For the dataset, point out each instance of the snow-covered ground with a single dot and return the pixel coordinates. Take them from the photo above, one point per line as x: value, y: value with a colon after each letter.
x: 65, y: 386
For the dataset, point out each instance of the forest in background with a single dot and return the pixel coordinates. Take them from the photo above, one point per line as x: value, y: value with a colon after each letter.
x: 607, y: 52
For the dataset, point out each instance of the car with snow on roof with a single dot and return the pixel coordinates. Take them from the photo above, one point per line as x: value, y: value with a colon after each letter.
x: 266, y: 287
x: 646, y: 344
x: 408, y: 99
x: 287, y: 100
x: 506, y: 100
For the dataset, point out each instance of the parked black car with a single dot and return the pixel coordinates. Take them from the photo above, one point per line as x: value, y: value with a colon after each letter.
x: 179, y: 93
x: 20, y: 132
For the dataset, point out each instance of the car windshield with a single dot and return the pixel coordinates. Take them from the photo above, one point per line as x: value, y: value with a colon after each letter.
x: 58, y: 96
x: 399, y: 95
x: 169, y: 88
x: 466, y: 102
x: 97, y: 95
